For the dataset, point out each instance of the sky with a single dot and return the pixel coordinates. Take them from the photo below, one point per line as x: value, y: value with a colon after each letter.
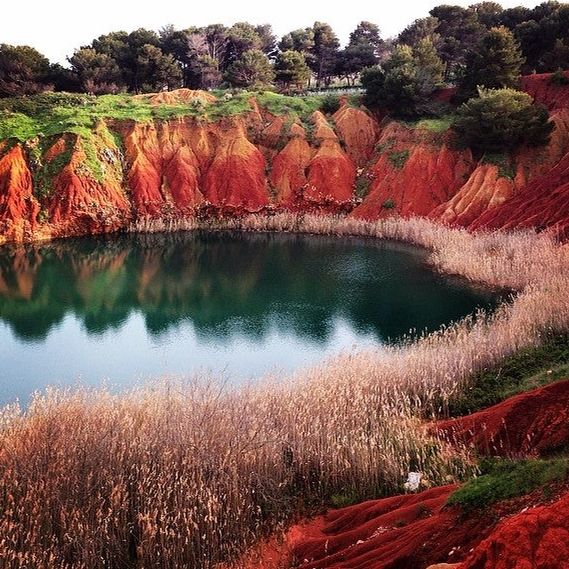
x: 57, y: 27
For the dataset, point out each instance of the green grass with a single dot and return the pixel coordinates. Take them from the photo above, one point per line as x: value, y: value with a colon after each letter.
x: 49, y: 114
x: 44, y: 174
x: 504, y: 479
x: 527, y: 369
x: 436, y: 124
x: 398, y: 159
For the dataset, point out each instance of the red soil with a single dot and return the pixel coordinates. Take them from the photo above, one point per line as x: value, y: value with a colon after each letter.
x: 535, y: 539
x: 544, y: 92
x: 288, y: 174
x: 241, y: 164
x: 359, y: 131
x: 78, y: 203
x: 543, y: 203
x: 430, y: 175
x: 416, y: 530
x: 531, y: 423
x: 18, y: 207
x: 236, y: 176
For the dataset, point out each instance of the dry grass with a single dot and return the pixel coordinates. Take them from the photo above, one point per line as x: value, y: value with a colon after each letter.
x: 187, y: 475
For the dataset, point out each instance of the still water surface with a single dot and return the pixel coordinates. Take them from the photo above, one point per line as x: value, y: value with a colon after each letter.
x: 122, y: 309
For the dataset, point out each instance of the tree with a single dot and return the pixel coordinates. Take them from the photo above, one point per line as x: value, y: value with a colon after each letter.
x: 155, y: 70
x: 241, y: 37
x: 460, y: 31
x: 368, y: 34
x: 325, y: 52
x: 501, y: 120
x: 291, y: 69
x: 494, y: 64
x: 252, y: 69
x: 363, y: 50
x: 420, y: 29
x: 97, y: 73
x: 175, y: 43
x: 488, y: 13
x: 430, y: 68
x: 405, y: 82
x: 268, y: 40
x: 23, y: 71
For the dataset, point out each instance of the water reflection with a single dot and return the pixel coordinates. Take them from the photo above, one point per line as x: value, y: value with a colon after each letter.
x: 226, y: 288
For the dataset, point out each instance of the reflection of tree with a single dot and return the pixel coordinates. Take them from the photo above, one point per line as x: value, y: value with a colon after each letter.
x: 221, y: 282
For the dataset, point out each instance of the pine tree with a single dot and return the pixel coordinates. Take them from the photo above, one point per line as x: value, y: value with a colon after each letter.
x: 495, y: 64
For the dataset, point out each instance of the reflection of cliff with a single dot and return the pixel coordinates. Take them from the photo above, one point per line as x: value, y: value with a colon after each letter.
x: 218, y: 281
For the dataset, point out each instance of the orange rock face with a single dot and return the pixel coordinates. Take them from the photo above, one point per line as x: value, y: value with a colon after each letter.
x: 484, y: 189
x: 184, y: 167
x: 359, y: 131
x: 543, y: 203
x: 415, y: 173
x: 288, y: 173
x: 18, y: 207
x: 236, y: 177
x: 79, y: 203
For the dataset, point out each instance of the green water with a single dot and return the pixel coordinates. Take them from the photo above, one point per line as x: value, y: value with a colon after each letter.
x: 124, y: 309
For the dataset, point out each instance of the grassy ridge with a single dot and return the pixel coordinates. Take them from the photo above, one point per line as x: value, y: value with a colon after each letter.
x: 49, y: 114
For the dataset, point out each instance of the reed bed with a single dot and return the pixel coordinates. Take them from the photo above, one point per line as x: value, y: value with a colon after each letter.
x: 189, y: 473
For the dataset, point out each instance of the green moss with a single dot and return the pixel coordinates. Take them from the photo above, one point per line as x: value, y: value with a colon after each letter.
x: 503, y: 161
x: 44, y: 174
x: 301, y: 107
x: 525, y: 370
x: 435, y: 124
x: 362, y: 186
x: 399, y: 158
x: 504, y: 479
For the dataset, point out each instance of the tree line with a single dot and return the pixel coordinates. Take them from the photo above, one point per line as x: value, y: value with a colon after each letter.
x: 434, y: 50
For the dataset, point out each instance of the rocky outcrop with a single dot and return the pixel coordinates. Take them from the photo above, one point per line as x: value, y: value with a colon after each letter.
x: 18, y: 207
x: 415, y: 172
x: 543, y: 203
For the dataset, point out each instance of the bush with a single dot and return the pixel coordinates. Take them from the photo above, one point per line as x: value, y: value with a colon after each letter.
x: 504, y: 479
x: 500, y: 120
x: 330, y: 104
x: 559, y: 78
x: 389, y: 203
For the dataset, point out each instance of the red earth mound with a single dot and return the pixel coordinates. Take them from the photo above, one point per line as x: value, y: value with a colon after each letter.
x: 543, y: 91
x: 543, y: 203
x: 535, y: 539
x: 532, y: 423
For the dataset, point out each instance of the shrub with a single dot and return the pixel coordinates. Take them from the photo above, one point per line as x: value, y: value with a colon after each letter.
x: 501, y: 120
x: 504, y: 479
x: 389, y: 203
x: 330, y: 104
x: 399, y: 158
x: 559, y: 78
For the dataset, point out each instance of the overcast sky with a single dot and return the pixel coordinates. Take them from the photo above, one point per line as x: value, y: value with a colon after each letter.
x: 57, y: 27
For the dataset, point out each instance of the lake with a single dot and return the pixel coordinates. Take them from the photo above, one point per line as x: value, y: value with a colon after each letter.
x: 122, y: 309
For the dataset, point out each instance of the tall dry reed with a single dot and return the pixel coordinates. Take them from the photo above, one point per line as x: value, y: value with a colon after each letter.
x: 186, y: 474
